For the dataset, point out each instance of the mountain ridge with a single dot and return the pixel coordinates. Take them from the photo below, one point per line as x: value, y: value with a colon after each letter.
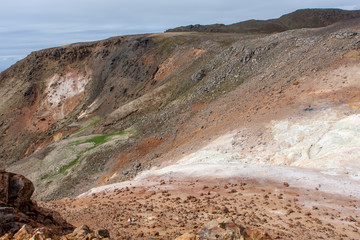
x: 303, y: 18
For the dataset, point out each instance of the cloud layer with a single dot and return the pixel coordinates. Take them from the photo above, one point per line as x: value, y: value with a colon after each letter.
x: 27, y: 26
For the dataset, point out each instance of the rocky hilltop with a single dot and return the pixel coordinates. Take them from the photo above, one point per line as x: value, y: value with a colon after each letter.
x: 304, y: 18
x: 259, y: 127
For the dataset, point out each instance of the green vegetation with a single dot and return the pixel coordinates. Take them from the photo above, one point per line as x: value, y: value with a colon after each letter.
x: 61, y: 170
x: 101, y: 139
x: 97, y: 141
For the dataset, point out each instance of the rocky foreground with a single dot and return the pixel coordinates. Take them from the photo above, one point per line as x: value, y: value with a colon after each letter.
x: 176, y: 205
x: 21, y: 218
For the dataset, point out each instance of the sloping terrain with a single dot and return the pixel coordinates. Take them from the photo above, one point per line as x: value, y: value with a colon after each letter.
x: 303, y: 18
x: 180, y: 115
x: 92, y: 112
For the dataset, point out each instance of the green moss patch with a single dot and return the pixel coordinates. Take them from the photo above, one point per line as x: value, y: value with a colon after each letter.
x: 101, y: 139
x: 61, y: 170
x: 97, y: 141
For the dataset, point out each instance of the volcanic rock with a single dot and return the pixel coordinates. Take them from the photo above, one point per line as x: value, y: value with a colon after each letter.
x: 16, y: 209
x: 84, y: 232
x: 225, y: 229
x: 15, y: 190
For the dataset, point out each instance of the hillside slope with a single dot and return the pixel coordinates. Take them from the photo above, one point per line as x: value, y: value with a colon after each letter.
x: 303, y: 18
x: 88, y: 114
x: 203, y: 125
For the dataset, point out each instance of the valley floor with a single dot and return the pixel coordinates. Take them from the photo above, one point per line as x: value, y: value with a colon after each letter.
x: 286, y: 202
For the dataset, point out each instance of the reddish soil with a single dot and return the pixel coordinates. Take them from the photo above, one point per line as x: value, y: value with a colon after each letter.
x: 138, y: 151
x: 178, y: 206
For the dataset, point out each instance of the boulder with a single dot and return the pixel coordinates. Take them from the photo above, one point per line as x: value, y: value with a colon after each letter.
x: 15, y: 190
x: 15, y: 194
x: 19, y: 216
x: 24, y: 233
x: 224, y: 228
x: 84, y: 232
x: 198, y: 76
x: 188, y: 236
x: 102, y: 233
x: 221, y: 229
x: 43, y: 233
x: 8, y: 220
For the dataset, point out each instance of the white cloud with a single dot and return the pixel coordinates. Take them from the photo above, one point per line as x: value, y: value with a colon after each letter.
x: 350, y: 7
x: 6, y: 58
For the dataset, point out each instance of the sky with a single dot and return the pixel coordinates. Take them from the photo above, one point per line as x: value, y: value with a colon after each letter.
x: 30, y: 25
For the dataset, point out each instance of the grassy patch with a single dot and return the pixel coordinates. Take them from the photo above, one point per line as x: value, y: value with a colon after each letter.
x: 61, y: 170
x: 101, y: 139
x: 97, y: 141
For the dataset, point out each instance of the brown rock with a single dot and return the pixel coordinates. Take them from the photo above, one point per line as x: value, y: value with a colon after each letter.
x: 84, y: 232
x: 220, y: 229
x: 7, y: 236
x: 15, y: 189
x: 224, y: 228
x: 188, y: 236
x: 17, y: 209
x: 81, y: 231
x: 24, y: 233
x: 103, y: 233
x: 41, y: 234
x: 8, y: 220
x: 254, y: 234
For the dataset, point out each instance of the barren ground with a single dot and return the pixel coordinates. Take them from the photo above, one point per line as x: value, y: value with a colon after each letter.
x: 165, y: 206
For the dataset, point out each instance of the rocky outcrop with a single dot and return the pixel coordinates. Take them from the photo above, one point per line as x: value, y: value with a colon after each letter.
x: 84, y: 232
x: 80, y: 233
x: 15, y: 190
x: 21, y: 218
x: 225, y: 229
x: 17, y: 209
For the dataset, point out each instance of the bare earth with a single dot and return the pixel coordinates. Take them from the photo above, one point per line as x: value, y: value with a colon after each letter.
x: 165, y: 206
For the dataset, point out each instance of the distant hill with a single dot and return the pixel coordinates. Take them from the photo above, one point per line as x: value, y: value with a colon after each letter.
x: 304, y: 18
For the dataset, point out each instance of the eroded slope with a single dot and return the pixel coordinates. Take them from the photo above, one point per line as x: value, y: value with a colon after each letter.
x: 103, y: 112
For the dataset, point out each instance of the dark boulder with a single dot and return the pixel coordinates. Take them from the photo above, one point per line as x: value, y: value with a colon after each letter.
x: 15, y: 190
x: 17, y: 209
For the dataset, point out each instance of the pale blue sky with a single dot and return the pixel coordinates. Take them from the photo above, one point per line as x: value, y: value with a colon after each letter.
x: 29, y: 25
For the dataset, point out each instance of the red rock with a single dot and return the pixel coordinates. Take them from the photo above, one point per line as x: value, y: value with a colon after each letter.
x: 254, y: 234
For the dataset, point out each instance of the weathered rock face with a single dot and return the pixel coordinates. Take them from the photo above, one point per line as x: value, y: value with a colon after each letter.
x: 15, y: 190
x: 17, y: 209
x: 84, y: 232
x: 80, y: 233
